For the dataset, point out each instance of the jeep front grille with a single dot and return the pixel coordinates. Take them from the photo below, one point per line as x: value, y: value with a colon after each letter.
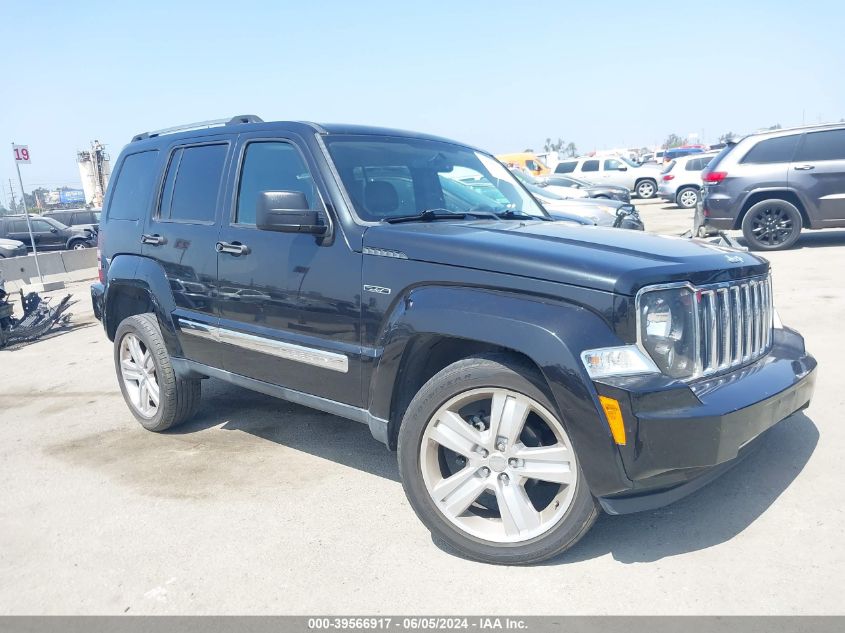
x: 735, y: 321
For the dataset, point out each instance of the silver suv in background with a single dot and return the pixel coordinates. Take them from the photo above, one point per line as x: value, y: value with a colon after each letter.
x: 773, y: 184
x: 680, y: 180
x: 613, y: 170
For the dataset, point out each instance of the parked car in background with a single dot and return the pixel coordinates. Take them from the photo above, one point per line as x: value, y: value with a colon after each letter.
x: 619, y: 171
x: 11, y: 248
x: 525, y: 161
x: 680, y: 181
x: 84, y: 218
x: 679, y: 152
x: 563, y: 191
x: 609, y: 192
x: 652, y: 157
x: 773, y: 184
x: 48, y: 233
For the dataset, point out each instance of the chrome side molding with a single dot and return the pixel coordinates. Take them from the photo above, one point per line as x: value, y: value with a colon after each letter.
x: 272, y: 347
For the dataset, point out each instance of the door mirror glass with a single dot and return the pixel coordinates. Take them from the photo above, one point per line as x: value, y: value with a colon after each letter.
x: 287, y: 212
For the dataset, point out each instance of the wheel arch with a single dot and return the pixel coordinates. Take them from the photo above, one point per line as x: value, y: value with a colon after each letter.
x: 773, y: 194
x: 434, y: 327
x: 136, y: 285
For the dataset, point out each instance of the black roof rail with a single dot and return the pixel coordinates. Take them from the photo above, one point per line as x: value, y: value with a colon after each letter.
x: 235, y: 120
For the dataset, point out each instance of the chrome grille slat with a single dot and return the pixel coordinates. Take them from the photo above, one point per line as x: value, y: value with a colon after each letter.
x: 735, y: 324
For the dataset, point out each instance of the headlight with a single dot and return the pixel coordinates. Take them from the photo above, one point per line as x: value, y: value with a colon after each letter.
x: 666, y: 327
x: 627, y: 360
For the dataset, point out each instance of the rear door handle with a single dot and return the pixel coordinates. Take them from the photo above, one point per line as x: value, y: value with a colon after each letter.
x: 154, y: 240
x: 232, y: 248
x: 804, y: 167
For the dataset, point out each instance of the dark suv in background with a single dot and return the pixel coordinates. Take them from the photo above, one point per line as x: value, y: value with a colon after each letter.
x: 773, y: 184
x: 49, y: 234
x: 528, y: 372
x: 82, y: 218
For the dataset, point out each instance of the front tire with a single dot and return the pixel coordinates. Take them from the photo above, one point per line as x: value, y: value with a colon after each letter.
x: 157, y: 398
x: 646, y: 189
x: 79, y: 245
x: 488, y: 466
x: 772, y: 225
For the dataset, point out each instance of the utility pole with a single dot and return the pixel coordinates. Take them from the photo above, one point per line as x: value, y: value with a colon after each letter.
x: 12, y: 196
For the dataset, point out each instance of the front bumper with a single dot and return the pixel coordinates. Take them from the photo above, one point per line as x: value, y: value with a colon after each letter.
x: 681, y: 437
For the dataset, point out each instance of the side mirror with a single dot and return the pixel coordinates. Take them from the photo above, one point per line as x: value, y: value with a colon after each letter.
x: 54, y: 230
x: 287, y: 212
x: 622, y: 168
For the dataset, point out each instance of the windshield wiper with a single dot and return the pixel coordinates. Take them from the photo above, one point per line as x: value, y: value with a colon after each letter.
x: 429, y: 215
x: 510, y: 214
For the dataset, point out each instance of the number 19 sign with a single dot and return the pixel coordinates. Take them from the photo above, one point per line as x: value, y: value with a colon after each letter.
x: 21, y: 153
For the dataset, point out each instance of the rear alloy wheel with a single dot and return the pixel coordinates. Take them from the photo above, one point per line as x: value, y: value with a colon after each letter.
x: 157, y: 397
x: 687, y: 198
x: 772, y: 225
x: 646, y: 189
x: 489, y: 468
x: 79, y: 246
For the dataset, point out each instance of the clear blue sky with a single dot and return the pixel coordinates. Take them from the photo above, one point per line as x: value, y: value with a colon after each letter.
x: 500, y: 75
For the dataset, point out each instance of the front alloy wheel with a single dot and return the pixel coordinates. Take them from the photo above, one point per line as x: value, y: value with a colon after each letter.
x: 494, y: 472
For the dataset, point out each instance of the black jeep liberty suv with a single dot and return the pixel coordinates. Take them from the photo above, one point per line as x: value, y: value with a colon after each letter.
x: 529, y: 373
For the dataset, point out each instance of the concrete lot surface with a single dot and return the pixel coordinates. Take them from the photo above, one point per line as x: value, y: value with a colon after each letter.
x: 260, y: 506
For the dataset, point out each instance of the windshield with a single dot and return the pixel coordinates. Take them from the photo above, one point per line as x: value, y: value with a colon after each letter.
x: 390, y: 177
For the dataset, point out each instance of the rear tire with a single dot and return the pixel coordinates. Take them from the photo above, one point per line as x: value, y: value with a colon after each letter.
x: 541, y: 517
x: 157, y: 398
x: 646, y: 188
x: 772, y: 225
x: 687, y: 197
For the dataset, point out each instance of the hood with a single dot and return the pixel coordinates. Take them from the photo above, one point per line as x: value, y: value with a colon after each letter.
x: 594, y: 257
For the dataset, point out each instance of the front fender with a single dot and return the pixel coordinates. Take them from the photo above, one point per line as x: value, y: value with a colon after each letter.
x: 551, y: 334
x: 135, y: 276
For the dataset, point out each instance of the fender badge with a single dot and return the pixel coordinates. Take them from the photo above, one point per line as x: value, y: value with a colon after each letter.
x: 379, y: 290
x: 734, y: 259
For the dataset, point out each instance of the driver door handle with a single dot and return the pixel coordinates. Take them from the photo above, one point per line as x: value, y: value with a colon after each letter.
x: 155, y: 239
x: 804, y: 167
x: 232, y: 248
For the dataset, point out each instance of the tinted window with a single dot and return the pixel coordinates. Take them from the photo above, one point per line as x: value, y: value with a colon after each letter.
x: 828, y: 145
x: 271, y: 167
x: 612, y: 164
x: 590, y: 165
x: 192, y: 183
x: 39, y: 226
x: 131, y: 191
x: 18, y: 226
x: 566, y: 168
x: 694, y: 164
x: 773, y: 150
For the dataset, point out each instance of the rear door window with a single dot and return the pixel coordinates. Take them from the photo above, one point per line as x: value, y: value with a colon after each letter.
x: 827, y: 145
x: 133, y: 187
x: 772, y: 150
x: 192, y: 185
x: 590, y: 165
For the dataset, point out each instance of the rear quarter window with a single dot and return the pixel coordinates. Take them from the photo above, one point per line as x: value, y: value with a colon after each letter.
x: 132, y: 189
x: 772, y: 150
x: 566, y: 167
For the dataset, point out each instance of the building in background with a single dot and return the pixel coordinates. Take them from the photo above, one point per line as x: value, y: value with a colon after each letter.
x: 94, y: 171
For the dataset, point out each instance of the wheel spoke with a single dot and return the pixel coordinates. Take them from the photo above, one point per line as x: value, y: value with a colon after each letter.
x: 130, y: 370
x: 546, y: 463
x: 152, y: 388
x: 135, y: 351
x: 452, y: 432
x: 143, y: 397
x: 448, y: 485
x: 518, y: 515
x: 507, y: 416
x: 464, y: 494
